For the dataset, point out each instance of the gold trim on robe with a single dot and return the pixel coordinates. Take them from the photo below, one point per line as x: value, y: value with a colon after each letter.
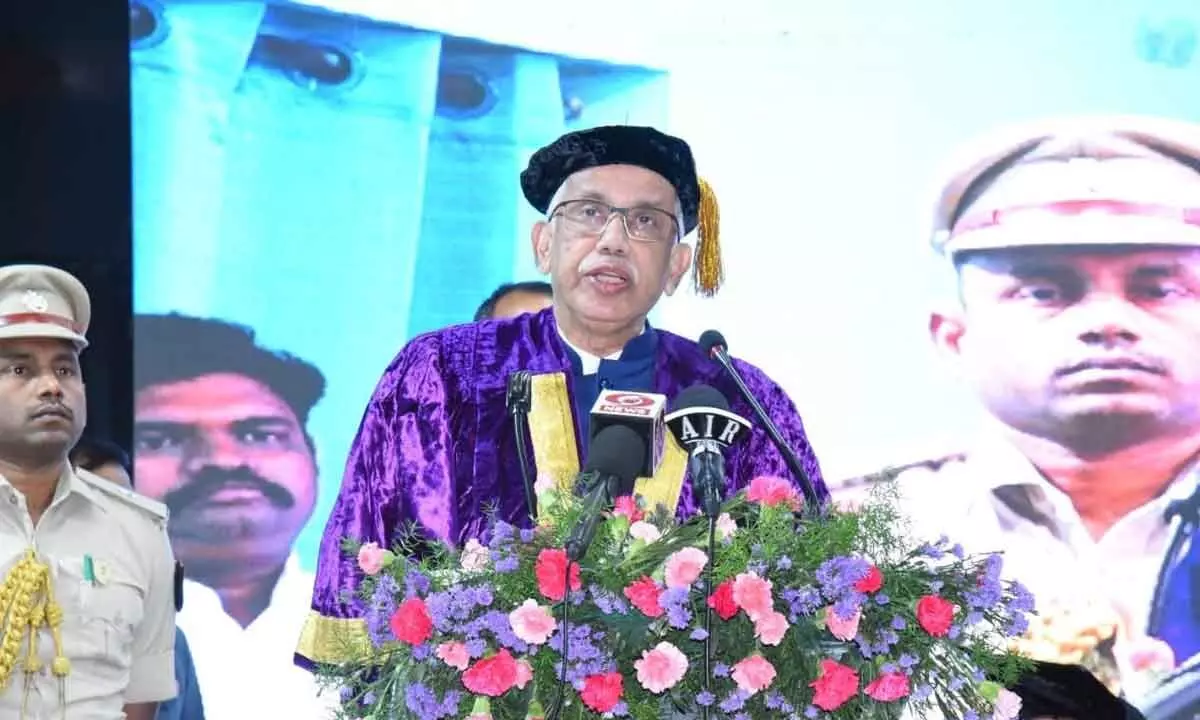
x: 331, y: 641
x: 552, y: 429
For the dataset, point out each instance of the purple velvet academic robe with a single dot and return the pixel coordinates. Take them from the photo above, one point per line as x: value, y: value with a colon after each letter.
x: 436, y: 444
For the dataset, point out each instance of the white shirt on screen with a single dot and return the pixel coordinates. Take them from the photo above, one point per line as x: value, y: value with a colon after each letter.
x: 996, y: 500
x: 112, y: 572
x: 248, y: 672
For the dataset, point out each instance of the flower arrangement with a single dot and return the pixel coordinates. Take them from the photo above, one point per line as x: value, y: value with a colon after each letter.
x: 837, y: 616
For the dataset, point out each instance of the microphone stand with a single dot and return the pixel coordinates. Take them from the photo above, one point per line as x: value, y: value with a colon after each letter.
x: 709, y: 467
x: 789, y: 455
x: 519, y: 403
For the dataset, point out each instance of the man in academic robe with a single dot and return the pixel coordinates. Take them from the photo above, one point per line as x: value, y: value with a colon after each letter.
x: 437, y: 443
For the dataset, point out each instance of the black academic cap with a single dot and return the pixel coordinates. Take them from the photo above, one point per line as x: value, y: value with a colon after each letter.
x: 644, y: 147
x: 1070, y: 691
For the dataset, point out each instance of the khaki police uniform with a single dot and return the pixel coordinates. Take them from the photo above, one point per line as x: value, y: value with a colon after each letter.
x: 1097, y: 181
x: 99, y: 561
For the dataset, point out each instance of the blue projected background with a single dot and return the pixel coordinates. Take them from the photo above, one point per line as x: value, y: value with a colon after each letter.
x: 342, y: 175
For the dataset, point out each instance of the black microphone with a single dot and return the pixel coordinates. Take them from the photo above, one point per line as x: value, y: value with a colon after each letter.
x: 615, y: 456
x: 519, y: 400
x: 703, y: 425
x: 713, y: 344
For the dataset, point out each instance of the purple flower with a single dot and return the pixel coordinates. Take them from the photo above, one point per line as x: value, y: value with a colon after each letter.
x: 720, y: 670
x: 502, y: 535
x: 811, y: 711
x: 881, y: 599
x: 783, y: 563
x: 1017, y: 625
x: 699, y: 635
x: 899, y: 623
x: 906, y: 661
x: 421, y: 701
x: 837, y: 575
x: 527, y: 535
x: 415, y: 583
x: 802, y: 602
x: 505, y: 563
x: 734, y: 701
x: 674, y: 602
x: 379, y: 610
x: 849, y: 604
x: 704, y: 698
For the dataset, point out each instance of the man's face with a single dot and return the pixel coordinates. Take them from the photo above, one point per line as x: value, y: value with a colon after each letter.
x: 231, y: 461
x: 1099, y: 345
x: 43, y: 406
x: 519, y: 302
x: 606, y: 278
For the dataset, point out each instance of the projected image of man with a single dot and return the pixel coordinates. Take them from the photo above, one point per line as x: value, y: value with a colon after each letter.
x: 1077, y: 254
x: 220, y: 437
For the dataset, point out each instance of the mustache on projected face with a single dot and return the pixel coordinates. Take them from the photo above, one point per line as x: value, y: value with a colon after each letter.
x: 211, y: 480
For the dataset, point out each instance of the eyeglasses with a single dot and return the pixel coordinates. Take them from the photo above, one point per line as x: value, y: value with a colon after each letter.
x: 644, y: 224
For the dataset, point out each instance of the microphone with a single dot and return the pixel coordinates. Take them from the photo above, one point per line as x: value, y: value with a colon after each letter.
x: 519, y: 399
x: 640, y: 412
x: 713, y: 344
x: 705, y: 427
x: 615, y: 456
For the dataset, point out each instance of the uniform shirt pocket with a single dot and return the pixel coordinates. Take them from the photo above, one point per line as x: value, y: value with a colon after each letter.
x: 101, y: 610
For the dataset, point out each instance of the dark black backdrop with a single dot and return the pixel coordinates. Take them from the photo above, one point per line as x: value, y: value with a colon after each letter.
x: 65, y: 169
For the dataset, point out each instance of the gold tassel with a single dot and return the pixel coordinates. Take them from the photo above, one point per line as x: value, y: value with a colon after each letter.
x: 707, y: 272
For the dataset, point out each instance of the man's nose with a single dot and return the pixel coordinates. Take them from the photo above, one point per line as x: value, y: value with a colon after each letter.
x: 614, y: 238
x: 1107, y: 322
x: 49, y: 386
x: 214, y: 450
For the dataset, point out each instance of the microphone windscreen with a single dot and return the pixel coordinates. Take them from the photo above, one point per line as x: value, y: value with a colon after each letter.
x: 711, y: 339
x: 618, y: 451
x: 700, y: 396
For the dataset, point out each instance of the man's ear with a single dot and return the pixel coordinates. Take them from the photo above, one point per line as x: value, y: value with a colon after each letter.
x: 540, y: 238
x: 678, y: 265
x: 946, y: 329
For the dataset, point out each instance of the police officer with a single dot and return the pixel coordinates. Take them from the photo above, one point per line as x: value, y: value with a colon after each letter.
x: 1076, y: 251
x: 85, y: 564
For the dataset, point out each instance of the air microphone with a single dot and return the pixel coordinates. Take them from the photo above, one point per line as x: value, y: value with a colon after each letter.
x: 713, y: 344
x: 640, y: 412
x: 705, y: 427
x: 615, y: 456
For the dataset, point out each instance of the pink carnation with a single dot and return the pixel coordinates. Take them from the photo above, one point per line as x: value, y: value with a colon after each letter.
x: 626, y: 507
x: 770, y: 627
x: 661, y: 667
x: 888, y: 687
x: 683, y: 567
x: 370, y: 558
x: 524, y: 674
x: 532, y: 623
x: 454, y: 654
x: 769, y: 490
x: 753, y: 674
x: 753, y: 595
x: 1008, y: 706
x: 840, y: 627
x: 726, y: 526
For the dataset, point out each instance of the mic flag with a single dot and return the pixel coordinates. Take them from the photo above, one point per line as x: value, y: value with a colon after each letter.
x: 641, y: 413
x: 702, y: 415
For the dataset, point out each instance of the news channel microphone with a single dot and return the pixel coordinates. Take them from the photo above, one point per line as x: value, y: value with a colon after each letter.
x: 712, y: 344
x: 640, y: 412
x: 704, y: 425
x: 616, y: 454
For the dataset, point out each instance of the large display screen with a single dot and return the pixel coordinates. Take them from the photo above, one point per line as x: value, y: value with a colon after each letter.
x: 317, y: 183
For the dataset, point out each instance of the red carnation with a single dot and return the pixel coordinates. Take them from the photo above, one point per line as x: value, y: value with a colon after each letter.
x: 411, y: 623
x: 722, y: 600
x: 935, y: 614
x: 492, y: 676
x: 836, y: 684
x: 551, y: 572
x: 601, y: 692
x: 871, y: 582
x: 644, y: 594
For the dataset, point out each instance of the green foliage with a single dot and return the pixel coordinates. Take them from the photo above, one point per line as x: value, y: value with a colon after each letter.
x: 797, y: 554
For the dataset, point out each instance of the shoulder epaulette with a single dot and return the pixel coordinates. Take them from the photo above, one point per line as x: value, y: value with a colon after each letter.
x: 155, y: 509
x: 892, y: 472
